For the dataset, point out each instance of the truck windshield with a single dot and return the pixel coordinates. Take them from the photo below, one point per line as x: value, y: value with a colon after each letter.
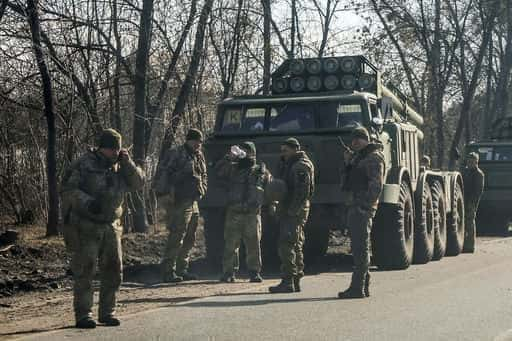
x: 494, y: 153
x: 294, y: 116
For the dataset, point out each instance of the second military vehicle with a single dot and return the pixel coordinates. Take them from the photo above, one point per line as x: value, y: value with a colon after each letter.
x: 495, y: 154
x: 320, y: 101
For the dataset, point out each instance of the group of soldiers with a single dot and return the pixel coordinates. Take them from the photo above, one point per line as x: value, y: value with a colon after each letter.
x: 94, y: 186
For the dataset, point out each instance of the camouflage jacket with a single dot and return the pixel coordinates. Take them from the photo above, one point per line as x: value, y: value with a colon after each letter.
x: 246, y: 185
x: 365, y: 176
x: 182, y: 172
x: 93, y: 178
x: 299, y: 175
x: 473, y: 184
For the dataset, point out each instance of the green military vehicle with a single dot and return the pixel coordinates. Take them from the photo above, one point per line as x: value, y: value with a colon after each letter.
x: 320, y: 101
x: 495, y: 154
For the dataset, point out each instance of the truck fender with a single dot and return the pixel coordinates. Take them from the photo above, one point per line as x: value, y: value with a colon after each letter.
x: 391, y: 189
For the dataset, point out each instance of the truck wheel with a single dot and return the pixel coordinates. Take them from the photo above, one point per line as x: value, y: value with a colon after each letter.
x: 317, y: 234
x: 214, y: 235
x: 439, y: 207
x: 455, y: 224
x: 393, y: 236
x: 424, y: 228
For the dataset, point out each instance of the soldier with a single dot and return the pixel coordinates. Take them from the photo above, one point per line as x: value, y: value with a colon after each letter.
x: 184, y: 169
x: 93, y: 190
x: 246, y: 180
x: 473, y: 187
x: 365, y: 176
x: 297, y: 171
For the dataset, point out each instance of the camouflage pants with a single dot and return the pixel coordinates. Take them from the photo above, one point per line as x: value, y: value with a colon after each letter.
x: 182, y: 225
x: 291, y: 243
x: 103, y: 242
x: 244, y: 227
x: 359, y: 222
x: 470, y: 225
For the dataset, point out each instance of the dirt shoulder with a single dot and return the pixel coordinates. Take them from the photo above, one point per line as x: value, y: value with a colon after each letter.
x: 35, y: 281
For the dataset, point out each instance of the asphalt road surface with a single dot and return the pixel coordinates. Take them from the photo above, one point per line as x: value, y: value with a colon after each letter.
x: 468, y: 297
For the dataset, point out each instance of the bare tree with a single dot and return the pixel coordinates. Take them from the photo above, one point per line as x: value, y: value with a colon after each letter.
x: 51, y: 161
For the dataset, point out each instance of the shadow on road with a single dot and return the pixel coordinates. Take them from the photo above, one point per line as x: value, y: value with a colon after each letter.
x: 227, y: 304
x: 170, y: 300
x: 35, y: 330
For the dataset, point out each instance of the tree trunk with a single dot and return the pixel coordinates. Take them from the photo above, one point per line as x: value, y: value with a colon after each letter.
x: 140, y: 223
x: 51, y: 159
x: 186, y: 87
x: 267, y: 52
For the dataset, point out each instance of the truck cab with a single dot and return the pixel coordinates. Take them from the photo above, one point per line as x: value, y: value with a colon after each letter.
x: 320, y: 102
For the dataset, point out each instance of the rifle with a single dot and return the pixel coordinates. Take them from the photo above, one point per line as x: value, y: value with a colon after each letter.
x: 344, y: 146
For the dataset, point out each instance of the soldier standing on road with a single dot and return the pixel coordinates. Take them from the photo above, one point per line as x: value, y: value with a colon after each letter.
x: 246, y: 180
x: 365, y: 176
x: 473, y: 178
x: 184, y: 171
x: 298, y: 172
x: 93, y: 190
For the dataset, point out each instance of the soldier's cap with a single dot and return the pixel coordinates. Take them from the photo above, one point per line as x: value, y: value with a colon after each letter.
x: 360, y: 133
x: 249, y: 147
x: 473, y: 156
x: 195, y: 135
x: 291, y: 142
x: 110, y: 138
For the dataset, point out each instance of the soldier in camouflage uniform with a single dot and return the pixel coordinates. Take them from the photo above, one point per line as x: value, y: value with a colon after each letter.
x: 184, y: 171
x: 298, y: 172
x: 246, y: 180
x: 92, y: 191
x: 365, y: 176
x: 473, y: 187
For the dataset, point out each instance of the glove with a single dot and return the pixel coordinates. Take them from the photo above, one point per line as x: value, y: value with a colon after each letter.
x: 94, y: 207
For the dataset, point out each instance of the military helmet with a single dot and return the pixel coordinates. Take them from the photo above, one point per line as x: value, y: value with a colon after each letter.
x: 249, y: 147
x: 276, y: 190
x: 360, y: 133
x: 195, y: 135
x: 473, y: 156
x: 291, y: 142
x: 110, y: 138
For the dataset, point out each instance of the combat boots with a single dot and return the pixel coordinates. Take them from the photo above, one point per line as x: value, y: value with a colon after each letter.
x: 286, y: 286
x: 296, y: 282
x: 228, y: 277
x: 86, y: 323
x: 171, y: 277
x: 351, y: 293
x: 255, y: 277
x: 367, y: 285
x: 188, y: 276
x: 110, y: 321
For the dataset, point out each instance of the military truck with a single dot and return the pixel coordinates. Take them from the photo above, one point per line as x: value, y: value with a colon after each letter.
x: 320, y: 101
x: 495, y: 154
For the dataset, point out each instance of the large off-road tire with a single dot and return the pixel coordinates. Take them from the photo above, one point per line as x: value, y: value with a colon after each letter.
x: 214, y: 235
x: 455, y: 224
x: 439, y: 206
x: 393, y: 233
x: 317, y: 232
x: 424, y: 227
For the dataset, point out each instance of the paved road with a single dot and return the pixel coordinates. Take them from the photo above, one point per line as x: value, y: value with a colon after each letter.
x: 468, y: 297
